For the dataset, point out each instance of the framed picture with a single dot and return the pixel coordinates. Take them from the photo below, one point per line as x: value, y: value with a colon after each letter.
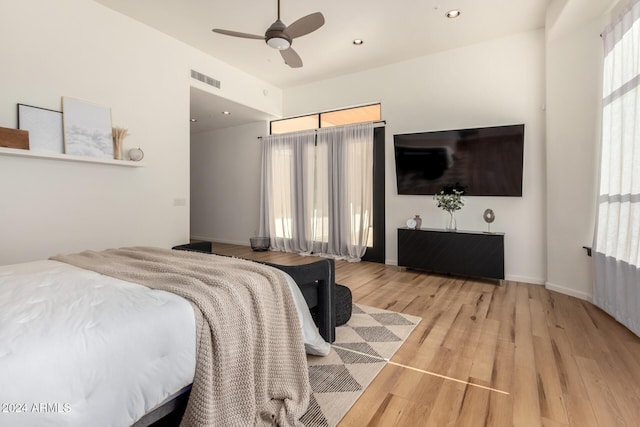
x: 87, y: 129
x: 44, y: 126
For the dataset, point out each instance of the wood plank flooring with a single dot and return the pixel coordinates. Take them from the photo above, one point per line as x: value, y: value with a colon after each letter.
x: 517, y: 355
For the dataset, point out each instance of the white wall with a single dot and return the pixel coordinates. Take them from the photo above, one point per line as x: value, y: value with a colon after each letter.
x: 493, y: 83
x: 225, y: 183
x: 78, y: 48
x: 498, y: 82
x: 574, y: 55
x: 81, y: 49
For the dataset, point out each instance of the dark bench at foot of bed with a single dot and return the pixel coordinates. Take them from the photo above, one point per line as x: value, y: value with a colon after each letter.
x: 316, y: 280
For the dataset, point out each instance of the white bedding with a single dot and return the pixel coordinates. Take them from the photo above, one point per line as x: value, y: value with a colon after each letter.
x: 78, y: 348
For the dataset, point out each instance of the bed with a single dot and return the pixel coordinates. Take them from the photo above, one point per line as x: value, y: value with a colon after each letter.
x: 80, y: 347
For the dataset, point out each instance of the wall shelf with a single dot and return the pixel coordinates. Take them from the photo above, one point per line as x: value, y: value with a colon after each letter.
x: 67, y: 157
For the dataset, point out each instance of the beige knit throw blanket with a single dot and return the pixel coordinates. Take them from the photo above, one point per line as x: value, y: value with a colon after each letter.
x: 251, y: 365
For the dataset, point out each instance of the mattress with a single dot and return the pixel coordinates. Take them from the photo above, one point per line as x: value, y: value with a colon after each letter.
x: 78, y: 348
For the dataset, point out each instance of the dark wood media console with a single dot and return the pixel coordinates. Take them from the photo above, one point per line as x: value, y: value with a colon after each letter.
x: 465, y: 253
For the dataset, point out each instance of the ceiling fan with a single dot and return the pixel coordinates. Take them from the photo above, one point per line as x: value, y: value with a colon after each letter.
x: 280, y: 36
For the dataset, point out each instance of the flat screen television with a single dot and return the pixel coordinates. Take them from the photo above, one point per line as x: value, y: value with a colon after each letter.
x: 485, y: 161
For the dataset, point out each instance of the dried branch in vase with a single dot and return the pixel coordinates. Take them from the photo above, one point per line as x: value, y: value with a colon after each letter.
x: 119, y: 135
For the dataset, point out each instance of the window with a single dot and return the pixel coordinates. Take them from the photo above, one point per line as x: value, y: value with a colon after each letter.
x: 317, y: 190
x: 346, y: 116
x: 318, y: 221
x: 616, y: 248
x: 295, y: 124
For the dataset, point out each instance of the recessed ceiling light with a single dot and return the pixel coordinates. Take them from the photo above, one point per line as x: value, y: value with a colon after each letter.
x: 358, y: 42
x: 226, y: 113
x: 453, y: 13
x: 193, y: 120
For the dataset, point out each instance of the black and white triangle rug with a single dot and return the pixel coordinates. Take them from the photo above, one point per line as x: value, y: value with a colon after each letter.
x: 362, y: 348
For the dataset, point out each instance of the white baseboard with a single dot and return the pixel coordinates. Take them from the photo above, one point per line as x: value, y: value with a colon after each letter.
x: 525, y: 279
x: 568, y: 291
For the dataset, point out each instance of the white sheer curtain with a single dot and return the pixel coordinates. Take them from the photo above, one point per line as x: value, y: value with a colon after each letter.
x: 349, y: 153
x: 317, y: 191
x: 617, y: 234
x: 284, y: 207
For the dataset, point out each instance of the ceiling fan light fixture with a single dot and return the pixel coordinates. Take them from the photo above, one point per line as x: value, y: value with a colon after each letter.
x: 279, y: 43
x: 279, y: 36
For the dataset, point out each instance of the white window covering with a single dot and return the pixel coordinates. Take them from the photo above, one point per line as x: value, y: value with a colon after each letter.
x: 317, y: 191
x: 617, y: 234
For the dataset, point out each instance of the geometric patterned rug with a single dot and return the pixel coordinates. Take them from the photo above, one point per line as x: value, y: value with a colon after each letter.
x: 362, y: 348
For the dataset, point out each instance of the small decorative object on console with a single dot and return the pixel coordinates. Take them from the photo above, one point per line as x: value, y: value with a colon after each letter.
x: 418, y: 221
x: 411, y: 223
x: 489, y: 217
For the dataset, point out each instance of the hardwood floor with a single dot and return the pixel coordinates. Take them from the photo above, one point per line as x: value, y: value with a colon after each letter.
x: 517, y: 355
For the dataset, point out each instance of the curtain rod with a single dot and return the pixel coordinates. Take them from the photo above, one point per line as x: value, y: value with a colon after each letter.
x: 377, y: 122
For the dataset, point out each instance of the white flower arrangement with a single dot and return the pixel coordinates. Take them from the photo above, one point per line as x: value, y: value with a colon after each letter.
x: 450, y: 198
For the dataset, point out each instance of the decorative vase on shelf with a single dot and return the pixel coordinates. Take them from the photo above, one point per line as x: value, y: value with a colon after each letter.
x: 451, y: 225
x: 418, y: 221
x: 118, y: 141
x: 117, y: 149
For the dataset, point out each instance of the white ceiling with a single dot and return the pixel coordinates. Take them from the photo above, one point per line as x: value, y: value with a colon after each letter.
x: 207, y: 109
x: 392, y: 30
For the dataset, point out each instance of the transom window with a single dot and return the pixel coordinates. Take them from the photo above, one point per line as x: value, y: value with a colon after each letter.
x: 346, y: 116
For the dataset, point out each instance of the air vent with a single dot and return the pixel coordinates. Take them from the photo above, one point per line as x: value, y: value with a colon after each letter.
x: 205, y: 79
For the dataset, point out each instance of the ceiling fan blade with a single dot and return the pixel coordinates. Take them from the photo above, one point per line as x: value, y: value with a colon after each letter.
x: 291, y: 58
x: 237, y: 34
x: 305, y: 25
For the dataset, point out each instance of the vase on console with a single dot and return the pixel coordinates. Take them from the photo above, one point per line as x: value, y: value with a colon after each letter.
x: 452, y: 225
x: 450, y: 200
x: 418, y: 221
